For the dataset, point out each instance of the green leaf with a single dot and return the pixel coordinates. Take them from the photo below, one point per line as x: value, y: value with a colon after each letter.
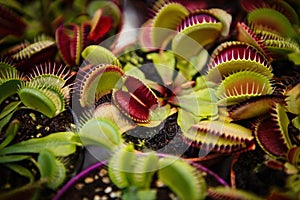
x: 5, y: 120
x: 108, y: 8
x: 23, y: 171
x: 48, y: 101
x: 146, y: 194
x: 97, y: 55
x: 132, y: 193
x: 201, y: 103
x: 293, y: 182
x: 9, y: 108
x: 13, y: 4
x: 231, y: 193
x: 10, y: 133
x: 163, y: 30
x: 293, y: 99
x: 186, y: 119
x: 159, y: 114
x: 203, y: 83
x: 9, y: 88
x: 51, y: 169
x: 60, y: 144
x: 120, y: 167
x: 294, y: 57
x: 195, y: 64
x: 164, y: 63
x: 80, y: 4
x: 145, y: 167
x: 296, y: 122
x: 100, y: 132
x: 13, y: 158
x: 182, y: 178
x: 134, y: 71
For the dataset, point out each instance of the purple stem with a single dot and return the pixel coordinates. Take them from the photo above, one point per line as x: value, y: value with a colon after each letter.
x: 216, y: 176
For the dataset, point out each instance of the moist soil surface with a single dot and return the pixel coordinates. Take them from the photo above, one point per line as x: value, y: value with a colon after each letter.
x: 34, y: 125
x: 97, y: 185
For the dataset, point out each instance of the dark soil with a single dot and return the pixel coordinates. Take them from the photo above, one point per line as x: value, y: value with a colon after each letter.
x: 156, y: 138
x: 97, y: 184
x: 252, y: 175
x: 34, y: 125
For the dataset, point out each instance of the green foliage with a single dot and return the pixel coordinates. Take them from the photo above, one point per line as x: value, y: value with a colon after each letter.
x: 60, y: 144
x: 99, y: 80
x: 10, y: 133
x: 231, y: 193
x: 97, y: 55
x: 182, y: 178
x: 48, y: 149
x: 100, y: 132
x: 10, y: 80
x: 19, y: 169
x: 121, y: 167
x: 194, y: 100
x: 51, y: 169
x: 133, y: 172
x: 48, y: 101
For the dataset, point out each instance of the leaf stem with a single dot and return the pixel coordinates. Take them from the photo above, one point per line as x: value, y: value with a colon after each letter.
x: 200, y: 167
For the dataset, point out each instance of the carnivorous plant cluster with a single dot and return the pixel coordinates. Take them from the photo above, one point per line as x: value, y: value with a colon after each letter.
x: 226, y: 78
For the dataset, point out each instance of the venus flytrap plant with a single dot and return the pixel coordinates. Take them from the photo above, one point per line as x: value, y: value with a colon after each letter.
x: 212, y: 112
x: 279, y: 37
x: 11, y: 21
x: 244, y: 77
x: 102, y: 132
x: 72, y: 38
x: 230, y: 193
x: 130, y: 94
x: 213, y: 22
x: 136, y: 98
x: 46, y: 91
x: 163, y: 9
x: 26, y: 55
x: 219, y: 136
x: 179, y: 90
x: 95, y: 55
x: 191, y: 184
x: 10, y: 80
x: 98, y: 81
x: 197, y: 105
x: 53, y: 171
x: 188, y: 25
x: 136, y: 176
x: 279, y: 121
